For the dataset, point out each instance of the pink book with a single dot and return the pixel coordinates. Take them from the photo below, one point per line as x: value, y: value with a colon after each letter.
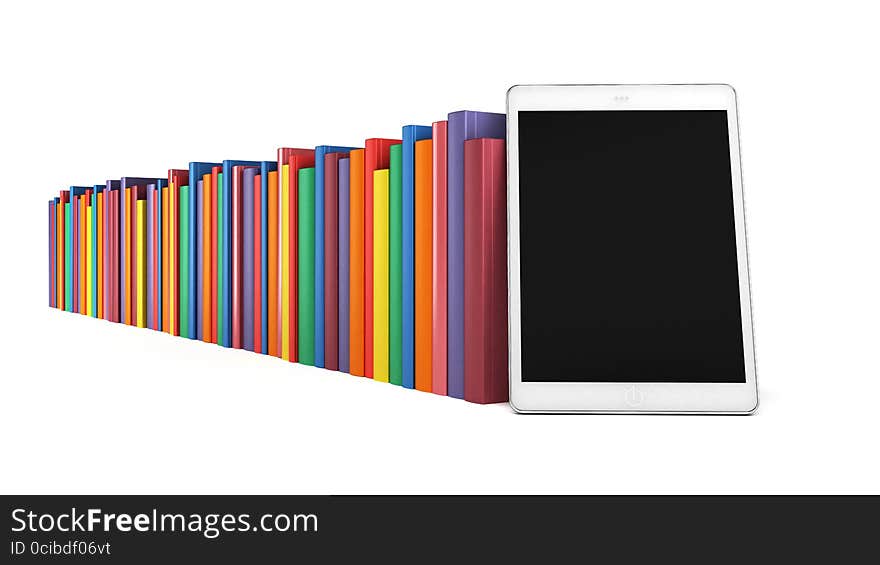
x: 438, y: 329
x: 485, y: 271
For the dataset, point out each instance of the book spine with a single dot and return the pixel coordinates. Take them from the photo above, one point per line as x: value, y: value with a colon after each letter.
x: 258, y: 241
x: 423, y: 225
x: 128, y: 231
x: 216, y: 182
x: 165, y: 192
x: 183, y: 274
x: 68, y: 256
x: 438, y: 248
x: 357, y: 292
x: 200, y: 259
x: 52, y: 260
x: 99, y: 245
x: 330, y: 288
x: 485, y: 262
x: 395, y: 250
x: 273, y: 302
x: 140, y: 236
x: 89, y: 309
x: 344, y: 264
x: 207, y: 254
x: 306, y: 257
x: 83, y: 254
x: 288, y: 257
x: 150, y: 251
x: 245, y: 240
x: 380, y: 275
x: 236, y: 258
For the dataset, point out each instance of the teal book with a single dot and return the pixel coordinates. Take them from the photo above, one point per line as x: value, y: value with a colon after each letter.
x: 185, y: 293
x: 395, y: 264
x: 68, y: 256
x: 306, y: 265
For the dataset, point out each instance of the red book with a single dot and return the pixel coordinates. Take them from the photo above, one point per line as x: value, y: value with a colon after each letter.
x: 438, y: 273
x: 331, y: 260
x: 258, y: 266
x: 376, y: 156
x: 485, y: 271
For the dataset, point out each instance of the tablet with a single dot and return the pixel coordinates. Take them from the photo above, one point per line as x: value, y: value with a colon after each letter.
x: 628, y: 271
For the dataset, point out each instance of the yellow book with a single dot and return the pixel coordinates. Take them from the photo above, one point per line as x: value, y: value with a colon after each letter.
x: 89, y: 282
x: 285, y: 262
x: 141, y: 238
x: 380, y: 275
x: 172, y: 259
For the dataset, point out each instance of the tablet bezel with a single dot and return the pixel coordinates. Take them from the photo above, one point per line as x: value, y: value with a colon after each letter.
x: 638, y: 397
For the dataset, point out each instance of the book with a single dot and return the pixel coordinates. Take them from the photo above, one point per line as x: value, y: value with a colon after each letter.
x: 83, y: 251
x: 395, y: 281
x: 330, y: 288
x: 183, y: 231
x: 165, y: 215
x: 268, y: 186
x: 130, y: 190
x: 89, y: 262
x: 485, y: 271
x: 290, y: 261
x: 111, y: 250
x: 438, y: 249
x: 139, y: 294
x: 206, y: 258
x: 461, y: 126
x: 411, y: 134
x: 356, y: 294
x: 236, y: 255
x: 216, y: 181
x: 320, y: 152
x: 258, y: 239
x: 60, y: 237
x: 224, y: 251
x: 75, y: 245
x: 99, y: 254
x: 151, y: 256
x: 245, y: 239
x: 280, y: 249
x: 376, y: 156
x: 344, y: 264
x: 68, y: 252
x: 95, y: 258
x: 195, y: 311
x: 306, y: 258
x: 273, y: 286
x: 380, y: 275
x: 423, y: 187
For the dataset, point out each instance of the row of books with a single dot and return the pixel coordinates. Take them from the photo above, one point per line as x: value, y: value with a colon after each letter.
x: 386, y: 261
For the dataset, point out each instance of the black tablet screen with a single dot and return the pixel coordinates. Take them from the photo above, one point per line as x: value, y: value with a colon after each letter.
x: 628, y: 247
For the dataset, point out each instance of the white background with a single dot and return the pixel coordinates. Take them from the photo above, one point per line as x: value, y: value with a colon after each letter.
x: 91, y: 92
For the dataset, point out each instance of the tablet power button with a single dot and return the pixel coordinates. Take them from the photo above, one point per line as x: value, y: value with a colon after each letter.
x: 633, y: 396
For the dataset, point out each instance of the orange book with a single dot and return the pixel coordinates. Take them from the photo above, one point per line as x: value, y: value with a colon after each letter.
x: 356, y: 263
x: 272, y: 266
x: 83, y: 245
x: 207, y: 253
x: 424, y: 186
x: 376, y: 156
x: 216, y: 176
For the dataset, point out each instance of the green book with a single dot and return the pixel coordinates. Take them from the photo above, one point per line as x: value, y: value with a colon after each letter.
x: 68, y: 257
x: 219, y: 272
x: 395, y: 265
x: 183, y: 256
x: 306, y: 266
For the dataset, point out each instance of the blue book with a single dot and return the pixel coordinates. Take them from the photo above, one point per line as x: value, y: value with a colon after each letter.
x: 320, y: 151
x: 224, y: 253
x: 266, y: 167
x: 194, y: 313
x: 411, y: 134
x: 461, y: 126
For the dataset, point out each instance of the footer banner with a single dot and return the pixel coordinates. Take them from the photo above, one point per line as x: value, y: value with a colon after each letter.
x: 261, y: 529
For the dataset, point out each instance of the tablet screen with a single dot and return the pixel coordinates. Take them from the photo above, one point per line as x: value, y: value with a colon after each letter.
x: 628, y: 248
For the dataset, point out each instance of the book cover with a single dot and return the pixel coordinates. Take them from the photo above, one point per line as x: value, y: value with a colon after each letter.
x: 461, y: 126
x: 290, y: 273
x: 268, y: 186
x: 330, y: 288
x: 236, y: 255
x: 244, y: 237
x: 376, y: 156
x: 422, y: 245
x: 485, y: 271
x: 395, y: 298
x: 306, y: 257
x: 224, y: 254
x: 195, y: 311
x: 411, y: 134
x: 320, y: 152
x: 380, y: 275
x: 344, y: 263
x: 356, y: 294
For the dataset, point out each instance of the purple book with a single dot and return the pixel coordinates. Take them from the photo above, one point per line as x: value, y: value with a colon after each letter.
x: 344, y: 257
x: 461, y: 126
x: 151, y: 281
x: 247, y: 318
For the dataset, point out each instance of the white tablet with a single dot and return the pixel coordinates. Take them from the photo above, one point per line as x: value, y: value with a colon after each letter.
x: 629, y: 281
